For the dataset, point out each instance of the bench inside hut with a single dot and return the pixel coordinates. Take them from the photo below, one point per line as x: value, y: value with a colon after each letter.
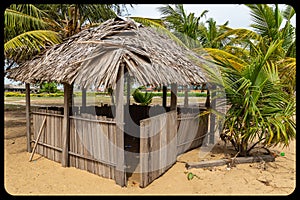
x: 120, y: 140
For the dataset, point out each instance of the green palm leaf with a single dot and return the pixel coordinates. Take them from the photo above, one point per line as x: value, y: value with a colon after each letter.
x: 31, y: 41
x: 159, y: 26
x: 13, y: 18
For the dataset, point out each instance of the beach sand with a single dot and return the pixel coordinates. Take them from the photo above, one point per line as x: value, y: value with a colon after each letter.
x: 45, y: 177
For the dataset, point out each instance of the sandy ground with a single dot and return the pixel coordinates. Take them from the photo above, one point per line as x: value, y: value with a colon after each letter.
x: 46, y: 177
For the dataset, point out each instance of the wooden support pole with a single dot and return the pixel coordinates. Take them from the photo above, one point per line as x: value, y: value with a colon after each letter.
x: 83, y: 100
x: 66, y: 126
x: 173, y: 96
x: 186, y: 96
x: 120, y: 174
x: 207, y: 102
x: 28, y: 117
x: 164, y: 100
x: 212, y: 116
x: 128, y: 90
x: 38, y: 137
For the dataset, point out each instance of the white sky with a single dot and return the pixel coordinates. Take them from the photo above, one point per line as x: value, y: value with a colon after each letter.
x: 238, y: 15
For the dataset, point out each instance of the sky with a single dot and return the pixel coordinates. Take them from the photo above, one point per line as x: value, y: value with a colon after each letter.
x: 238, y: 15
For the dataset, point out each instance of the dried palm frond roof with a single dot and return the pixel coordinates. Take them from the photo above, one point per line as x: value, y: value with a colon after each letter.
x: 93, y: 56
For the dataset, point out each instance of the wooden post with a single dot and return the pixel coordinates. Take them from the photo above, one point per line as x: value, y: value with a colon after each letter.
x: 186, y: 96
x: 128, y: 90
x: 66, y: 126
x: 207, y: 102
x: 164, y: 102
x: 212, y: 116
x: 120, y: 175
x: 83, y: 100
x: 173, y: 96
x: 28, y: 117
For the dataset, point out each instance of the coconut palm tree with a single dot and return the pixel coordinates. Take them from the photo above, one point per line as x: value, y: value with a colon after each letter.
x: 29, y: 28
x: 258, y: 73
x: 182, y: 25
x: 260, y: 111
x: 74, y: 17
x: 268, y: 27
x: 209, y: 36
x: 27, y: 31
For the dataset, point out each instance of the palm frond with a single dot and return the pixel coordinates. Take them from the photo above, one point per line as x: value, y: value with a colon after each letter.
x: 158, y: 25
x: 263, y: 17
x: 35, y: 40
x: 29, y: 9
x: 288, y: 12
x: 14, y: 18
x: 219, y: 54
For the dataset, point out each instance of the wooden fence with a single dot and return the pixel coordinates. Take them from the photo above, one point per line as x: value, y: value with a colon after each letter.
x: 92, y: 144
x: 192, y: 130
x: 157, y: 146
x: 50, y: 141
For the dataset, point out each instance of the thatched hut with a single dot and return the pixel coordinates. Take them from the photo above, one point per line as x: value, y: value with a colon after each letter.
x: 100, y: 56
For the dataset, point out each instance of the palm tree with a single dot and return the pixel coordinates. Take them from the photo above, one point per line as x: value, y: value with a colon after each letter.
x: 27, y: 31
x: 242, y: 44
x: 29, y: 28
x: 159, y: 25
x: 74, y: 17
x: 260, y: 111
x: 209, y: 36
x: 182, y: 25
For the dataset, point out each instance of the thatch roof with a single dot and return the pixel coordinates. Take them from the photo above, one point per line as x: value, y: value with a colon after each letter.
x: 94, y: 55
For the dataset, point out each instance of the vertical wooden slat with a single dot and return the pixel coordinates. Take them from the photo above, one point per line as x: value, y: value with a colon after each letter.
x: 43, y: 136
x: 28, y: 118
x: 97, y: 143
x: 81, y: 146
x: 106, y: 147
x: 120, y: 173
x: 46, y: 136
x: 143, y: 152
x: 75, y: 142
x: 163, y: 146
x: 112, y: 139
x: 84, y: 140
x: 53, y: 134
x: 66, y: 126
x: 60, y: 122
x: 173, y: 96
x: 71, y: 142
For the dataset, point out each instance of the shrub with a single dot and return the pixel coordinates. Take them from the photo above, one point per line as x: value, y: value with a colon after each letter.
x: 14, y: 94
